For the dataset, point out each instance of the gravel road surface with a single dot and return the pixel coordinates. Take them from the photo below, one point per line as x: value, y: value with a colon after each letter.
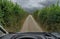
x: 30, y: 25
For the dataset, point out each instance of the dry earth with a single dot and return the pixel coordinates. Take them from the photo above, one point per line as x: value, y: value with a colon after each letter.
x: 30, y: 25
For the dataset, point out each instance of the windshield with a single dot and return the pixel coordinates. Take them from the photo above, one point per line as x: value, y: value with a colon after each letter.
x: 30, y: 15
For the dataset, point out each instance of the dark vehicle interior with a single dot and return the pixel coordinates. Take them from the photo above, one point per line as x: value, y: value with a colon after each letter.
x: 30, y: 35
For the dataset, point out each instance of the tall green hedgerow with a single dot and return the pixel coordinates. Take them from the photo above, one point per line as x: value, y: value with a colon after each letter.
x: 11, y: 15
x: 49, y: 18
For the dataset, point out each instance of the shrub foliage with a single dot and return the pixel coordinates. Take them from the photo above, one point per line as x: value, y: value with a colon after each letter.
x: 49, y: 18
x: 11, y: 15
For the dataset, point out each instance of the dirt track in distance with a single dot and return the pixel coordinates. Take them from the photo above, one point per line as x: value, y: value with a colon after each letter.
x: 30, y: 25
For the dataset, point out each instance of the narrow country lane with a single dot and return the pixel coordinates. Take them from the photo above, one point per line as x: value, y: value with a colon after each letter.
x: 30, y: 25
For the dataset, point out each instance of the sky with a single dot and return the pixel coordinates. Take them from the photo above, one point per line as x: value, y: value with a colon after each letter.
x: 32, y: 5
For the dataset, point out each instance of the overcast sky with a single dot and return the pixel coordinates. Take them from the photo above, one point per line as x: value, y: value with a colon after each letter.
x: 30, y: 5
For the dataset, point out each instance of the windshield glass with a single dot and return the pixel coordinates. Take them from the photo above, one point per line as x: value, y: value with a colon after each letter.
x: 30, y: 15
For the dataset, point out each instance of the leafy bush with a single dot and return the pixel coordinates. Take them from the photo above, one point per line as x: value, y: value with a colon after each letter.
x: 49, y: 18
x: 11, y: 15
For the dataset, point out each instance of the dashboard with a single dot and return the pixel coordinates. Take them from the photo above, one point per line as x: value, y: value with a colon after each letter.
x: 32, y: 35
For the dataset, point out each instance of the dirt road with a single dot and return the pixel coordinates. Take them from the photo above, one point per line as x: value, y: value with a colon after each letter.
x: 30, y: 25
